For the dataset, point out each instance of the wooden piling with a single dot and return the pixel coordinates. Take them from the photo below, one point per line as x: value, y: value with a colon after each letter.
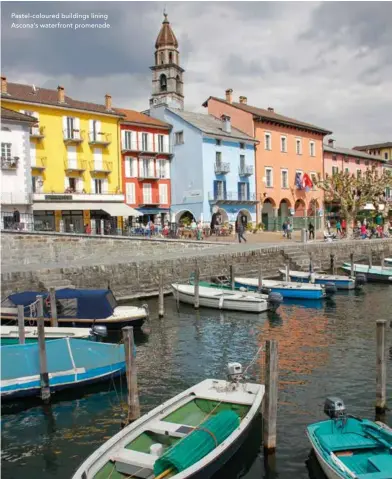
x: 260, y: 277
x: 370, y: 259
x: 131, y: 372
x: 232, y: 276
x: 21, y: 325
x: 53, y: 307
x: 161, y: 304
x: 333, y: 264
x: 381, y: 373
x: 271, y: 396
x: 287, y: 271
x: 311, y: 262
x: 197, y: 287
x: 382, y: 258
x: 43, y: 364
x: 352, y: 264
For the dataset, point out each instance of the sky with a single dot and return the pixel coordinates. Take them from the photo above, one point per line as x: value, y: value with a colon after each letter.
x: 327, y: 63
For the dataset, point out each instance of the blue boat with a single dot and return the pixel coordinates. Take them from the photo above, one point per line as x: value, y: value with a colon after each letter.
x: 287, y: 289
x: 340, y: 281
x: 351, y: 448
x: 71, y: 363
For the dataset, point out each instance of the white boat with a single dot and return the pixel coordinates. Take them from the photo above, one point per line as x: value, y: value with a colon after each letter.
x: 388, y: 261
x: 196, y: 420
x: 218, y: 298
x: 340, y: 281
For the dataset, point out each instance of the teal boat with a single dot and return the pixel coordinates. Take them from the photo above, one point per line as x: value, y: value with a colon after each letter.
x: 373, y: 273
x: 351, y: 448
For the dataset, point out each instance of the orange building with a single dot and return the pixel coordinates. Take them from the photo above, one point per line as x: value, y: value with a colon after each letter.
x: 146, y: 156
x: 288, y: 158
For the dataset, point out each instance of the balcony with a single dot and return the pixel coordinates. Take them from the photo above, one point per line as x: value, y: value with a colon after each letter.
x: 246, y: 170
x: 73, y: 136
x: 39, y: 163
x: 101, y: 167
x: 37, y: 132
x: 99, y: 138
x: 78, y: 196
x: 222, y: 168
x: 147, y: 175
x: 232, y: 196
x: 129, y: 146
x: 74, y: 165
x: 9, y: 162
x: 143, y: 201
x: 16, y: 198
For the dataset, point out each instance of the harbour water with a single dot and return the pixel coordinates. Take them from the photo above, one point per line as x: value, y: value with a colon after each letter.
x: 325, y: 348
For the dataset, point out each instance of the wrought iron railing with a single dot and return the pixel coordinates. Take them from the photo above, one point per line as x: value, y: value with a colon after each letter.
x: 99, y: 138
x: 9, y: 162
x: 246, y: 170
x: 73, y: 135
x: 232, y: 196
x: 222, y: 168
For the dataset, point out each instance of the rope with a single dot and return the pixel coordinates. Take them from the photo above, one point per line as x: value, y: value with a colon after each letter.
x: 254, y: 358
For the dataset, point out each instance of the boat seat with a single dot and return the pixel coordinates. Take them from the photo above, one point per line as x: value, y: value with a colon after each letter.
x: 382, y: 462
x: 346, y: 441
x: 170, y: 428
x: 134, y: 463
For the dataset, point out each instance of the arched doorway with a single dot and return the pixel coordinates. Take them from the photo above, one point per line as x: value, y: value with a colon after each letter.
x: 300, y: 208
x: 284, y: 208
x: 267, y: 214
x: 244, y: 214
x: 184, y: 218
x: 313, y: 207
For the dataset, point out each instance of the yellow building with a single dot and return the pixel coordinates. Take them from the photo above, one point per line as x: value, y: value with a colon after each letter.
x: 75, y: 158
x: 380, y: 149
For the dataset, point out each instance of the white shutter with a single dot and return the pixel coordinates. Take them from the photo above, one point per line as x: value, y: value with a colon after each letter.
x: 139, y: 138
x: 166, y: 143
x: 151, y: 172
x: 98, y: 126
x: 79, y: 185
x: 66, y: 183
x: 163, y: 194
x: 127, y: 167
x: 65, y: 133
x: 167, y: 169
x: 33, y: 154
x: 140, y: 167
x: 90, y: 129
x: 130, y: 193
x: 156, y: 143
x: 105, y: 186
x: 92, y: 186
x: 147, y: 193
x: 150, y: 145
x: 77, y: 127
x: 123, y: 139
x: 134, y: 167
x: 35, y: 115
x: 72, y: 157
x: 98, y: 164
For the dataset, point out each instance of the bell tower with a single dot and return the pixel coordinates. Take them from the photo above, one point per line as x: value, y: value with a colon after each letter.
x: 167, y: 84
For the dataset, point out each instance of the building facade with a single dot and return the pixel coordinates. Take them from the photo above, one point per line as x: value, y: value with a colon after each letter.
x: 379, y: 149
x: 289, y: 157
x: 75, y: 160
x: 146, y: 156
x: 16, y: 184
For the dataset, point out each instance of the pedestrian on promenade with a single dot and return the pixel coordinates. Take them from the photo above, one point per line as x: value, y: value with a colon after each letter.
x: 338, y: 228
x: 344, y: 226
x: 289, y: 229
x: 284, y: 228
x: 16, y: 218
x: 363, y: 231
x: 87, y: 229
x: 329, y: 227
x: 311, y: 230
x: 240, y: 230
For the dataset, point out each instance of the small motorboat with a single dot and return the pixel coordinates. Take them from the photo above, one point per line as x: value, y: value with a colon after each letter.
x: 388, y: 261
x: 189, y: 436
x: 351, y: 448
x: 373, y: 273
x: 76, y: 307
x: 225, y: 299
x: 10, y: 334
x: 288, y: 289
x: 71, y: 363
x: 340, y: 281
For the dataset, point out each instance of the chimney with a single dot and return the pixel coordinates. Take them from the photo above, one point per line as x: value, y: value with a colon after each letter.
x: 4, y: 85
x: 229, y: 95
x: 331, y: 142
x: 226, y: 123
x: 108, y: 102
x: 270, y: 108
x: 60, y: 94
x: 243, y: 100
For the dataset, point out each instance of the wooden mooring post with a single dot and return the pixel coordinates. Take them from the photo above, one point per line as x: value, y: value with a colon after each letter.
x: 352, y: 264
x: 232, y: 276
x: 197, y: 287
x: 370, y: 259
x: 260, y: 277
x: 53, y: 307
x: 161, y: 302
x: 21, y: 325
x: 333, y: 264
x: 287, y: 271
x: 382, y: 259
x: 381, y: 373
x: 43, y: 364
x: 131, y: 372
x: 271, y: 396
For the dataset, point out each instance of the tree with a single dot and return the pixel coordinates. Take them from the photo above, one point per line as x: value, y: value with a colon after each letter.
x: 354, y: 192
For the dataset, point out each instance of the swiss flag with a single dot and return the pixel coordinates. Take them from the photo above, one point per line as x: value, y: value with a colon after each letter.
x: 307, y: 182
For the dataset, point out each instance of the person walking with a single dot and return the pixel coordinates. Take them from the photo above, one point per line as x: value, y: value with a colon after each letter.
x: 284, y: 228
x: 344, y: 225
x: 329, y: 227
x: 16, y: 218
x: 289, y: 230
x: 338, y: 228
x: 240, y: 231
x: 311, y: 230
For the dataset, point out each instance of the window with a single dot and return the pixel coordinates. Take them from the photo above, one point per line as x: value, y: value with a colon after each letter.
x: 147, y: 193
x: 347, y: 171
x: 71, y: 133
x: 218, y: 142
x: 144, y: 168
x: 37, y: 184
x: 127, y: 145
x: 269, y: 180
x: 218, y: 157
x: 160, y: 143
x: 162, y: 59
x: 130, y: 167
x: 386, y: 156
x: 359, y: 173
x: 242, y: 162
x: 170, y: 57
x: 163, y: 82
x: 98, y: 186
x: 283, y: 144
x: 94, y: 130
x: 179, y: 137
x: 314, y: 178
x: 357, y: 161
x: 367, y: 162
x: 219, y: 190
x: 298, y: 146
x: 285, y: 178
x: 243, y: 191
x: 335, y: 170
x: 163, y: 194
x: 144, y: 141
x: 242, y: 146
x: 161, y: 168
x: 130, y: 193
x: 178, y: 84
x: 6, y: 150
x: 267, y: 141
x: 334, y: 157
x: 312, y: 149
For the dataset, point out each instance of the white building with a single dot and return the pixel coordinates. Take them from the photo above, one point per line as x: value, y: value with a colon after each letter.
x: 16, y: 180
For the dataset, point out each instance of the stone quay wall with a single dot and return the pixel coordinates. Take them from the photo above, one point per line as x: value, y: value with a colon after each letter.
x: 139, y: 276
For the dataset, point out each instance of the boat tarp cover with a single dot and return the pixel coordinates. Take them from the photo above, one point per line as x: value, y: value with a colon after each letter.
x: 22, y: 360
x: 198, y: 443
x: 91, y: 303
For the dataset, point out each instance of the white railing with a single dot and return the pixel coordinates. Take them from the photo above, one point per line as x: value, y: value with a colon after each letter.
x: 15, y: 198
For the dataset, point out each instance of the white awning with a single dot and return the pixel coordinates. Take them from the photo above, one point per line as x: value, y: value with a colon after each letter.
x: 113, y: 209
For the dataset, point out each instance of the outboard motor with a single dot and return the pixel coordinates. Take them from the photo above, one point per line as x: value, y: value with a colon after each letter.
x: 360, y: 280
x: 99, y: 331
x: 264, y: 290
x: 234, y: 372
x: 330, y: 289
x: 334, y: 408
x: 275, y: 300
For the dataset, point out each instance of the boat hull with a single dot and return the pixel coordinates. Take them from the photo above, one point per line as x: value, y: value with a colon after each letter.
x: 341, y: 282
x: 285, y: 292
x: 373, y: 275
x: 327, y: 470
